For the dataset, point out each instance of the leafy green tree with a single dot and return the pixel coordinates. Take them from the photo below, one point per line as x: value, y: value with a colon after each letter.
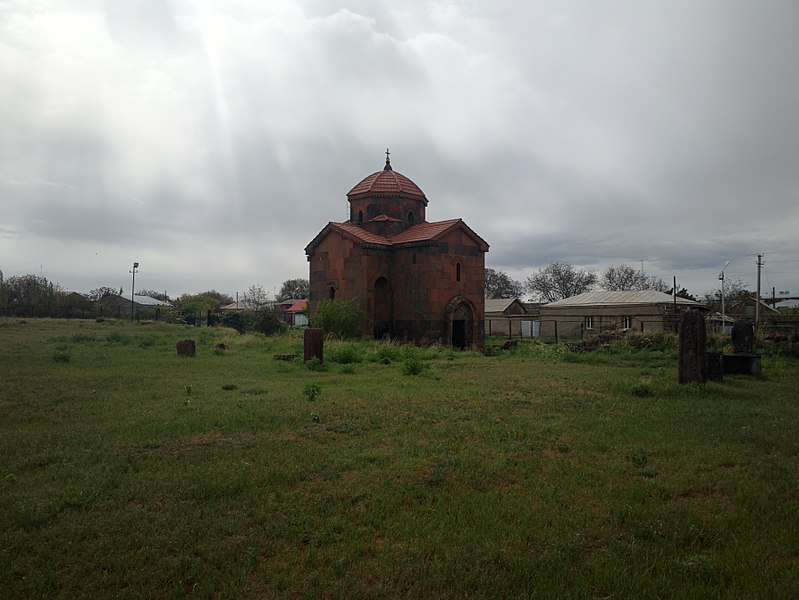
x: 560, y: 280
x: 240, y: 320
x: 338, y: 318
x: 33, y: 292
x: 499, y: 284
x: 269, y: 322
x: 202, y: 302
x: 102, y: 292
x: 293, y: 288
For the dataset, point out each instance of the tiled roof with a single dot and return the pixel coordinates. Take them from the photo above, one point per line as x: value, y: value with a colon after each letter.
x: 614, y: 298
x: 298, y: 307
x: 381, y: 218
x: 422, y: 232
x: 387, y: 183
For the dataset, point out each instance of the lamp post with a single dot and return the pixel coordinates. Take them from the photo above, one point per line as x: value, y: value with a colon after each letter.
x: 721, y: 277
x: 133, y: 288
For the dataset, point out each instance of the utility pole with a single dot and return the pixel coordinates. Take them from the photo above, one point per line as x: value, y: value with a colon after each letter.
x: 133, y: 288
x: 757, y: 305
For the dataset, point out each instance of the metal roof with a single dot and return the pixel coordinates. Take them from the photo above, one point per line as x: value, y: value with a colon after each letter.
x: 148, y: 301
x: 604, y: 298
x: 498, y: 305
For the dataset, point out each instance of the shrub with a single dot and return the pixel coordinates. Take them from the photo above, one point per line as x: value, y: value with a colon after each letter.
x: 338, y: 318
x: 643, y: 390
x: 269, y: 322
x: 344, y: 354
x: 314, y: 364
x: 240, y: 320
x: 413, y: 366
x: 311, y: 391
x: 61, y: 356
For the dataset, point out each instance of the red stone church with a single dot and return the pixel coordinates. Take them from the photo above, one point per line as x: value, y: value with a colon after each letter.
x: 415, y: 280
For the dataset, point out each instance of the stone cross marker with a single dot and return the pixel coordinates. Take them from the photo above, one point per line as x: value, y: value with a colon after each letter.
x: 186, y: 348
x: 743, y: 337
x: 314, y: 342
x: 693, y: 349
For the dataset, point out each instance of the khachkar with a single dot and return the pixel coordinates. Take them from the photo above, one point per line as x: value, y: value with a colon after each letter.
x: 693, y: 348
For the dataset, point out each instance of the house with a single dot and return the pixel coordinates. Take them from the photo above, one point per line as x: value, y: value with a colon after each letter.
x: 504, y: 317
x: 297, y: 313
x: 243, y: 304
x: 414, y: 279
x: 593, y: 312
x: 745, y: 309
x: 140, y: 307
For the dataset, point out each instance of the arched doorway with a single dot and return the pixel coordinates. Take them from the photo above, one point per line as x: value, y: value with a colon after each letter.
x: 381, y: 308
x: 460, y: 322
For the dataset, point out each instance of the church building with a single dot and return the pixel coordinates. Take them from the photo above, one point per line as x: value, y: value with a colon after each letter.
x: 415, y: 280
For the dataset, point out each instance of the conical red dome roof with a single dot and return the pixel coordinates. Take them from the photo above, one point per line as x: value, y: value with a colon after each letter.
x: 387, y: 182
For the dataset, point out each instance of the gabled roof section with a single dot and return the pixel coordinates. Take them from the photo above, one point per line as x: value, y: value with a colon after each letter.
x: 500, y: 305
x: 424, y: 232
x: 384, y: 219
x: 416, y: 234
x: 350, y: 231
x: 620, y: 298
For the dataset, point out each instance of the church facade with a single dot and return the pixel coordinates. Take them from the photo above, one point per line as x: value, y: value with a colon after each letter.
x: 415, y: 280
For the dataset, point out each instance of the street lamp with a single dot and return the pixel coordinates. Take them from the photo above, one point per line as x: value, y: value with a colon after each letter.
x: 721, y: 277
x: 133, y: 287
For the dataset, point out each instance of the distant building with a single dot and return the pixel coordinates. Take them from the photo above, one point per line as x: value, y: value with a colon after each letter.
x: 414, y: 279
x: 594, y: 312
x: 504, y: 317
x: 121, y: 307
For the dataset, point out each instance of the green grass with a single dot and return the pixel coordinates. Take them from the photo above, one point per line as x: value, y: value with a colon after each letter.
x: 129, y: 471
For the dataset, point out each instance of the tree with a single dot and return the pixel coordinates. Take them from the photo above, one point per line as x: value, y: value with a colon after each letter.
x: 255, y: 297
x: 625, y: 277
x: 339, y: 318
x: 293, y: 288
x: 682, y: 293
x: 202, y: 302
x: 500, y: 285
x: 622, y: 278
x: 155, y: 294
x: 269, y: 322
x: 735, y: 291
x: 102, y: 292
x: 560, y: 280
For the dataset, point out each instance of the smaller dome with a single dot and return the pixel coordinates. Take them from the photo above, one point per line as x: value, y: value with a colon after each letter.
x: 387, y: 183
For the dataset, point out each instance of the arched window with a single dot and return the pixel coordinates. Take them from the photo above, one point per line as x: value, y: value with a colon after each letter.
x: 360, y: 216
x: 332, y: 291
x: 457, y: 271
x: 411, y: 217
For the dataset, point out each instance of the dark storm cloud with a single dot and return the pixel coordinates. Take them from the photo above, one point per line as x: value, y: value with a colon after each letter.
x: 225, y: 135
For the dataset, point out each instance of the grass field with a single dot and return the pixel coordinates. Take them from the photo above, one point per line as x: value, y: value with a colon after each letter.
x: 128, y: 471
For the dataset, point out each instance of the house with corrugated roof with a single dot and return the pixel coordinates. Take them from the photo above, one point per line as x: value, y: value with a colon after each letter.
x: 594, y: 312
x: 414, y: 279
x: 504, y: 316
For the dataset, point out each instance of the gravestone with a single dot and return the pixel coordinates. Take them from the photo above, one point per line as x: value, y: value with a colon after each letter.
x: 314, y: 342
x: 715, y: 372
x: 186, y: 348
x: 743, y: 338
x: 692, y: 366
x: 743, y: 360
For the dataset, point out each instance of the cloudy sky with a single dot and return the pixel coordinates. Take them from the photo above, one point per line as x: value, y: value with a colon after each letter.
x: 211, y: 141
